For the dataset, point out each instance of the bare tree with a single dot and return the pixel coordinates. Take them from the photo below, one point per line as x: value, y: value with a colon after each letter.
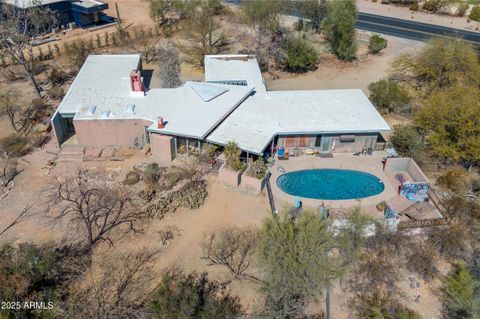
x: 94, y: 209
x: 24, y: 214
x: 148, y: 48
x: 21, y: 117
x: 18, y: 29
x: 169, y: 64
x: 204, y: 35
x: 233, y: 248
x: 8, y: 173
x: 120, y: 289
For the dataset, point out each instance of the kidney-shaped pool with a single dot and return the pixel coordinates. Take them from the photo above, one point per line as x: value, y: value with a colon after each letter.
x: 330, y: 184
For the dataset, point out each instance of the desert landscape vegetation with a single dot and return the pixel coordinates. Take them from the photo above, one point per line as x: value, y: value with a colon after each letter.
x: 129, y: 238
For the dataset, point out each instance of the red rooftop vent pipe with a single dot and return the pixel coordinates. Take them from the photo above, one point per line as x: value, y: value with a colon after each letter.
x: 160, y: 122
x: 136, y: 82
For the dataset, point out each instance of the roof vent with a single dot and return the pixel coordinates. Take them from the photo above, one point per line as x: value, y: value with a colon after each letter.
x: 130, y: 108
x: 91, y: 110
x: 105, y: 114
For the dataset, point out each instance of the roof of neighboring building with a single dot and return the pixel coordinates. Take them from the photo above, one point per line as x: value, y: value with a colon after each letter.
x: 260, y: 117
x: 30, y: 3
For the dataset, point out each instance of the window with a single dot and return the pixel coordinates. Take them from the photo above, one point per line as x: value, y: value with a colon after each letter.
x: 347, y: 138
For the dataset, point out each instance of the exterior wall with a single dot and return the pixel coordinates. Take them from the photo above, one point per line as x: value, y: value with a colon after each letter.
x: 162, y: 147
x: 313, y: 141
x: 361, y: 141
x: 118, y: 132
x: 408, y: 165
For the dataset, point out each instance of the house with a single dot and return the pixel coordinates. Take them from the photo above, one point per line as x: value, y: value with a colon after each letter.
x: 108, y: 105
x: 84, y: 13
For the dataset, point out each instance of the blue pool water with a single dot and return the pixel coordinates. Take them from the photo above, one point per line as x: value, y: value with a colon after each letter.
x: 330, y: 184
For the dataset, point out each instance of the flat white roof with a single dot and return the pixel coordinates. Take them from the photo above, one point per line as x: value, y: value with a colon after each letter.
x: 233, y: 105
x: 191, y: 110
x: 103, y: 79
x: 230, y: 68
x: 259, y: 118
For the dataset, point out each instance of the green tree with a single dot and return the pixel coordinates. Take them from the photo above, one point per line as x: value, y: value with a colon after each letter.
x: 442, y: 63
x: 158, y: 10
x: 294, y: 257
x: 450, y: 120
x: 232, y: 154
x: 339, y: 29
x: 298, y: 55
x: 376, y: 43
x: 181, y: 296
x: 315, y: 11
x: 204, y: 33
x: 460, y: 293
x: 264, y: 15
x: 409, y: 142
x: 475, y: 13
x: 388, y: 96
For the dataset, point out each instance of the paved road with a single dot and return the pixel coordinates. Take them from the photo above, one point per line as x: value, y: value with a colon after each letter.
x: 411, y: 29
x: 402, y: 28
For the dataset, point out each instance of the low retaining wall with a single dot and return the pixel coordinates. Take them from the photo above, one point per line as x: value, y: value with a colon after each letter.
x: 252, y: 184
x: 408, y: 165
x: 229, y: 177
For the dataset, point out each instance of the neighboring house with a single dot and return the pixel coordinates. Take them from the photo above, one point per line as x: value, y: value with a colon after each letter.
x: 84, y: 13
x: 108, y: 105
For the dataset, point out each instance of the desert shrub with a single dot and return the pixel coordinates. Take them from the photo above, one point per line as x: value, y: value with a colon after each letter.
x: 414, y: 7
x: 77, y: 52
x: 56, y: 92
x: 388, y: 96
x: 378, y: 305
x: 298, y: 56
x: 38, y: 273
x: 460, y: 293
x: 257, y: 169
x: 193, y: 296
x: 233, y: 248
x: 151, y: 174
x: 14, y: 145
x: 461, y: 9
x: 421, y: 259
x: 475, y: 13
x: 131, y: 178
x: 409, y: 142
x: 57, y: 77
x: 376, y: 44
x: 192, y: 196
x: 232, y: 154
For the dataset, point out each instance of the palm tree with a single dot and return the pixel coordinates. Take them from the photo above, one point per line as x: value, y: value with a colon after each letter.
x: 232, y: 153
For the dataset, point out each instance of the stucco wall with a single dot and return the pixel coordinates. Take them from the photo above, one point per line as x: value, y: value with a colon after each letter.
x: 228, y: 177
x: 162, y: 147
x: 408, y: 165
x: 124, y: 132
x: 252, y: 184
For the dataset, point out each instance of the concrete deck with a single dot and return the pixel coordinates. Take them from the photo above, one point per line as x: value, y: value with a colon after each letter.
x: 367, y: 163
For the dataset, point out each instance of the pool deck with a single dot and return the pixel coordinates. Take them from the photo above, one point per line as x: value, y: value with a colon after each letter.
x: 366, y: 163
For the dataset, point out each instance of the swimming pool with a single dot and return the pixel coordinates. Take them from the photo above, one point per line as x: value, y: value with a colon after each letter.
x: 330, y: 184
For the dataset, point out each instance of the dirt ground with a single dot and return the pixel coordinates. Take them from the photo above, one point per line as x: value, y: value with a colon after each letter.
x: 332, y: 74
